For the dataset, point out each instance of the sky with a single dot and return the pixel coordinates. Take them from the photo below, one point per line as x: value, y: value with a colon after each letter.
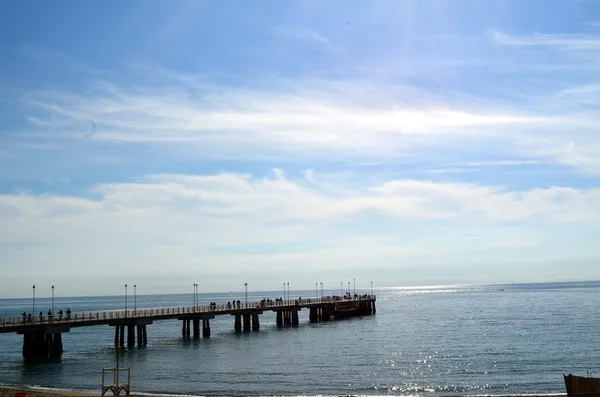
x: 402, y: 143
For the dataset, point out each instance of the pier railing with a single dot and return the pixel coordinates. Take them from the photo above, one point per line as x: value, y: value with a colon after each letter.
x: 158, y: 312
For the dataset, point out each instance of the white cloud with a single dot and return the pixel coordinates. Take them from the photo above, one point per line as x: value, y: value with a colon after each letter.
x: 236, y: 221
x: 304, y: 34
x: 561, y: 41
x: 304, y: 118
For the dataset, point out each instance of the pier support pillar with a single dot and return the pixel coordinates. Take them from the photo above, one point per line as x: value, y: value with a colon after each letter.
x: 206, y: 328
x: 246, y: 322
x: 237, y: 325
x: 196, y: 328
x: 35, y: 344
x: 374, y: 310
x: 145, y: 335
x: 117, y: 327
x: 295, y: 318
x: 255, y: 323
x: 55, y: 344
x: 122, y: 336
x: 140, y: 336
x: 185, y: 330
x: 130, y: 336
x: 279, y: 318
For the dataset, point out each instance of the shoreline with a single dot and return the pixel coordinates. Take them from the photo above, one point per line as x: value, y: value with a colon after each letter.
x: 41, y: 391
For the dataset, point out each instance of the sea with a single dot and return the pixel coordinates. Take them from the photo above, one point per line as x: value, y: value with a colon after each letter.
x: 462, y: 340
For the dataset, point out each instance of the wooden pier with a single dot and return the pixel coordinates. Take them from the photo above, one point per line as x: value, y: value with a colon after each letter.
x: 42, y: 336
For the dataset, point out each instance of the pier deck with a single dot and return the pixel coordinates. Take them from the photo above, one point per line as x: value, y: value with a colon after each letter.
x: 42, y: 334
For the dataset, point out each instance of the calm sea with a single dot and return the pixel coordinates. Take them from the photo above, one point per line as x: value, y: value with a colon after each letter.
x: 442, y: 341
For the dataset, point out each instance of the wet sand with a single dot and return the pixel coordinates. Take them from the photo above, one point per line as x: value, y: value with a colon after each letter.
x: 45, y: 393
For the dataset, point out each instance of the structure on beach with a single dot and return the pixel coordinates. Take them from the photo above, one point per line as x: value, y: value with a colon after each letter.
x: 42, y: 337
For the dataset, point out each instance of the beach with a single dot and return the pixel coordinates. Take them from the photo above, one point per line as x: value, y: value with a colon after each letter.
x: 10, y: 392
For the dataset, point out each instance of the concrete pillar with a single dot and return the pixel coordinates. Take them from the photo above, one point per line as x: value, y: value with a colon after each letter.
x: 279, y: 318
x: 187, y: 328
x: 295, y: 318
x: 122, y: 336
x: 140, y: 336
x: 55, y: 344
x: 196, y: 328
x: 130, y: 335
x: 206, y: 328
x: 183, y: 332
x: 145, y: 335
x: 117, y: 335
x: 255, y: 323
x: 28, y: 345
x: 237, y: 325
x: 374, y: 310
x: 246, y: 322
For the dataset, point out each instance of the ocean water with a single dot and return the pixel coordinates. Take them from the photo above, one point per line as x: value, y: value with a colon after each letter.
x: 439, y: 341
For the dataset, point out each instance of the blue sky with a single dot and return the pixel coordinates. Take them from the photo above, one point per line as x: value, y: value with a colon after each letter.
x: 399, y: 142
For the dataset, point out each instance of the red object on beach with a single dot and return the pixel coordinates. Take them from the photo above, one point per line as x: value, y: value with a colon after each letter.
x: 19, y: 394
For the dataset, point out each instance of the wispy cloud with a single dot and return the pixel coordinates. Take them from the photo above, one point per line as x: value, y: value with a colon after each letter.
x: 304, y: 35
x: 300, y: 116
x: 562, y: 41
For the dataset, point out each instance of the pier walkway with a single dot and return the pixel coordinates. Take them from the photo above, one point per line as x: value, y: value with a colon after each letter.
x: 42, y: 335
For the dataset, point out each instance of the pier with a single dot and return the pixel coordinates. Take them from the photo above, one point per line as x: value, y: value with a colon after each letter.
x: 42, y: 336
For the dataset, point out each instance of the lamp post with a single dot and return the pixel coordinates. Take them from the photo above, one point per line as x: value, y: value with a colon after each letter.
x: 371, y: 288
x: 341, y: 288
x: 33, y: 288
x: 135, y: 297
x: 354, y: 286
x: 53, y: 299
x: 195, y: 304
x: 288, y: 285
x: 283, y: 291
x: 321, y: 289
x: 246, y: 293
x: 348, y: 287
x: 125, y: 299
x: 316, y: 290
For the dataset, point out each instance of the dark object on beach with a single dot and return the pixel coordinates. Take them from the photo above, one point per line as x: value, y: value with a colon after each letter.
x: 582, y: 386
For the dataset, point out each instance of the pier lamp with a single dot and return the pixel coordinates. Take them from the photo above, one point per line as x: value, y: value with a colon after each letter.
x: 354, y: 285
x: 321, y: 289
x: 348, y: 286
x: 316, y: 290
x: 288, y: 285
x: 134, y: 297
x: 246, y: 288
x: 341, y: 288
x: 284, y: 291
x: 53, y: 299
x: 125, y: 299
x: 33, y: 288
x: 195, y: 297
x: 371, y: 288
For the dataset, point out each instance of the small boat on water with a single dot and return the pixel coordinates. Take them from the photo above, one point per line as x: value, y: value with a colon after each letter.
x: 580, y: 386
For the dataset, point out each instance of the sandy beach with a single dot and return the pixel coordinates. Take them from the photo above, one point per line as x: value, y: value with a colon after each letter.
x: 62, y: 393
x: 44, y: 393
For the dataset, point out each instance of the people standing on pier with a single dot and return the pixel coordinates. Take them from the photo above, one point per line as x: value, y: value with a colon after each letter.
x: 68, y: 313
x: 50, y: 315
x: 41, y: 317
x: 60, y: 313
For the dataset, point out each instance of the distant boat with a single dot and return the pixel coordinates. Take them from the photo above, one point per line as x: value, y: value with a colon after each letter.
x: 579, y: 386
